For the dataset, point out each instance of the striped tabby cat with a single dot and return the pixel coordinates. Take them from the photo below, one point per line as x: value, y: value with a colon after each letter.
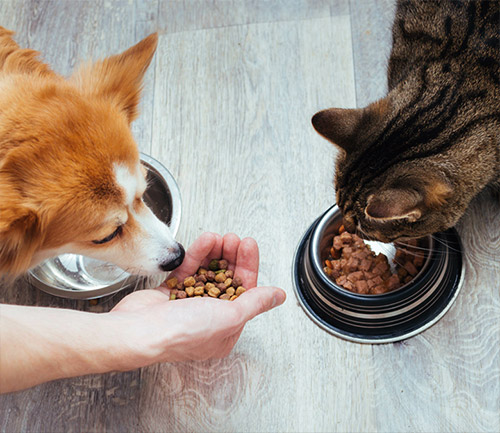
x: 412, y: 161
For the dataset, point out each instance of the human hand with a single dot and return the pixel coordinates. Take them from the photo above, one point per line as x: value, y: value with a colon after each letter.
x: 160, y: 330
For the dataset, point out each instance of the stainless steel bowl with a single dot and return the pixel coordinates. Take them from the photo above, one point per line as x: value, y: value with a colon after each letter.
x: 78, y: 277
x: 383, y: 318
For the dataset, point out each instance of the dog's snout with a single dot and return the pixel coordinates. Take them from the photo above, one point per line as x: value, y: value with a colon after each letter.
x: 171, y: 264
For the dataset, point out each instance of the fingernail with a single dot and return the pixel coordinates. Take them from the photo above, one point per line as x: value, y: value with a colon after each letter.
x: 275, y: 301
x: 278, y: 299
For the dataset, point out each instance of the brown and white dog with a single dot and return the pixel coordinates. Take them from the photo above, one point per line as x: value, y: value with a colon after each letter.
x: 70, y: 173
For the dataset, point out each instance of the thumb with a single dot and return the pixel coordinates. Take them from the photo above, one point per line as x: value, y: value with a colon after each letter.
x: 259, y: 300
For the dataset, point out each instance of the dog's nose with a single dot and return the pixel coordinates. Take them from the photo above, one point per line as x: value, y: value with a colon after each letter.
x: 172, y: 264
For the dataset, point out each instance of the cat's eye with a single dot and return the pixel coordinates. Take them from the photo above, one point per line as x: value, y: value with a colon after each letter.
x: 113, y: 235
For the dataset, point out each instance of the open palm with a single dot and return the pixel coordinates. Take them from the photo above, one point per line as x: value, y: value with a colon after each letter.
x: 199, y: 328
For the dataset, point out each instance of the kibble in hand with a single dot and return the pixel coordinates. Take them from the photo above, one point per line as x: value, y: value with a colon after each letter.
x: 216, y: 282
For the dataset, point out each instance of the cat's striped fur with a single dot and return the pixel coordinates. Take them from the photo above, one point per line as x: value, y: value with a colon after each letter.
x: 413, y: 160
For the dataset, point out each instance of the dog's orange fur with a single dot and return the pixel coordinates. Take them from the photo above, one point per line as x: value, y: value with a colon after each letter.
x: 59, y: 140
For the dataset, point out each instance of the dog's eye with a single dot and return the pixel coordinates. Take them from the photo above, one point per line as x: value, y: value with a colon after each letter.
x: 110, y: 237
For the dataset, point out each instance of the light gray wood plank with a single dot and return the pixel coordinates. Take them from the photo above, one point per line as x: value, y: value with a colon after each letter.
x: 146, y: 22
x: 232, y: 122
x: 14, y: 17
x: 371, y: 22
x: 231, y: 119
x: 175, y: 16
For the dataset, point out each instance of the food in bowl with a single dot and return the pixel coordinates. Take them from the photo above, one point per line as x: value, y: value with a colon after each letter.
x: 354, y: 266
x: 216, y: 282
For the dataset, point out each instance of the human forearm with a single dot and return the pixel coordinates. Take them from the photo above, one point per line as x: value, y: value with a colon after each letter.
x: 42, y: 344
x: 145, y: 327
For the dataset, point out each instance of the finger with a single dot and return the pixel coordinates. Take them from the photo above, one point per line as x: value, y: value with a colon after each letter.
x: 205, y: 246
x: 247, y: 262
x: 258, y: 301
x: 162, y: 288
x: 215, y: 252
x: 230, y: 244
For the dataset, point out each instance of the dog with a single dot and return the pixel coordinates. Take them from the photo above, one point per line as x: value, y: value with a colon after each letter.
x: 70, y: 174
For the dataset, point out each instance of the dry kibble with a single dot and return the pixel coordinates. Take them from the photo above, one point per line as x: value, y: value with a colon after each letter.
x: 213, y: 265
x: 236, y: 282
x: 214, y: 292
x: 216, y: 282
x: 201, y: 278
x: 220, y: 278
x: 172, y: 282
x: 189, y: 281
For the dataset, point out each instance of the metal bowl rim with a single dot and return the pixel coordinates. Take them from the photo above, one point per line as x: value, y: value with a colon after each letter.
x: 322, y: 223
x: 129, y: 280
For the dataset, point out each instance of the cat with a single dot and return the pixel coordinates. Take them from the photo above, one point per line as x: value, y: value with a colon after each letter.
x: 411, y: 162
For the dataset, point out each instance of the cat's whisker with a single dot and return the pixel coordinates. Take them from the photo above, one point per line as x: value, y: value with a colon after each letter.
x: 416, y: 247
x: 446, y: 244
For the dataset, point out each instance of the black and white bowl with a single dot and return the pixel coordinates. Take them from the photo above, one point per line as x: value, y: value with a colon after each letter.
x: 383, y: 318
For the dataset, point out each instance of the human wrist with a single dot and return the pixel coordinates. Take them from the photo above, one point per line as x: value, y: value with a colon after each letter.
x: 124, y: 348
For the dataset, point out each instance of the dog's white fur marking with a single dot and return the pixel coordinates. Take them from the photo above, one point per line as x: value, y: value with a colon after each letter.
x: 127, y: 181
x: 153, y: 243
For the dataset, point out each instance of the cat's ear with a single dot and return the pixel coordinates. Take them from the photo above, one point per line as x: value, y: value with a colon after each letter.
x: 394, y: 204
x: 338, y: 125
x: 342, y: 125
x: 407, y: 203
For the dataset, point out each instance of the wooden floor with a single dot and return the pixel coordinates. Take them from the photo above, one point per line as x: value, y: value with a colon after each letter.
x: 227, y: 109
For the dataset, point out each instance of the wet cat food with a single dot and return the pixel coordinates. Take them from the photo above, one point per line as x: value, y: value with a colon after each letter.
x: 216, y: 282
x: 354, y: 266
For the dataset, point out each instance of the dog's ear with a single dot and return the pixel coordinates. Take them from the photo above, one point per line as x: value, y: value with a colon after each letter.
x: 119, y: 77
x: 20, y: 234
